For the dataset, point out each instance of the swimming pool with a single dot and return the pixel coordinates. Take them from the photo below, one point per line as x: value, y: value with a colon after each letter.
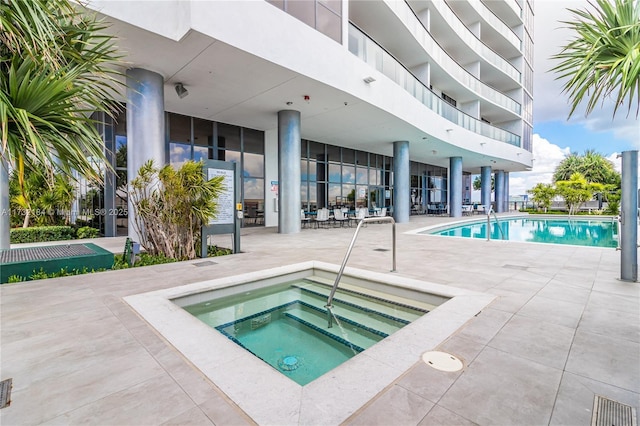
x: 549, y: 230
x: 286, y: 325
x: 263, y: 392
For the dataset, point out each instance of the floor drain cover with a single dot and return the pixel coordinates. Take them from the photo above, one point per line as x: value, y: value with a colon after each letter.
x: 380, y: 249
x: 442, y: 361
x: 205, y: 263
x: 5, y: 393
x: 607, y: 412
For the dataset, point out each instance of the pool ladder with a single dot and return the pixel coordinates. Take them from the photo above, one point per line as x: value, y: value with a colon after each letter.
x: 329, y: 306
x: 489, y: 223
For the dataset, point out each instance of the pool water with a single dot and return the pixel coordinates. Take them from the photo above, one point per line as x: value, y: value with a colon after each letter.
x: 582, y: 232
x: 287, y: 325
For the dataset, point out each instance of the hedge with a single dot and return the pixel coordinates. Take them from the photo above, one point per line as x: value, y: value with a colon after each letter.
x: 41, y: 233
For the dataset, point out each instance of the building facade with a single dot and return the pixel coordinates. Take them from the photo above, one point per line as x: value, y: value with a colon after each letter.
x: 381, y: 103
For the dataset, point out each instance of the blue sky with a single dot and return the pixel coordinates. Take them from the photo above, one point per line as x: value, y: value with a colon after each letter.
x: 556, y: 136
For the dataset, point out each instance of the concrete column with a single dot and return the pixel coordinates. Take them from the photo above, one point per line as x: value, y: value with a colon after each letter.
x: 629, y: 219
x: 5, y: 210
x: 485, y: 187
x: 401, y: 182
x: 289, y: 145
x: 455, y: 186
x: 145, y: 126
x: 499, y: 191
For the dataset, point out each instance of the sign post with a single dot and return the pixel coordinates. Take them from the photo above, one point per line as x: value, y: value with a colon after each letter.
x: 229, y: 214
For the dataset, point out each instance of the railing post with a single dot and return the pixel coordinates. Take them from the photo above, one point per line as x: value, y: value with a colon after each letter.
x: 346, y: 257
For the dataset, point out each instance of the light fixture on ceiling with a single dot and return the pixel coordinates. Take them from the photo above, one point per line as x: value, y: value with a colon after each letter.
x: 181, y: 90
x: 289, y: 103
x: 368, y: 79
x: 449, y: 130
x: 483, y: 143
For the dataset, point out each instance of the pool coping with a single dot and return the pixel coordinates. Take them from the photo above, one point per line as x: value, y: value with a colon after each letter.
x: 269, y: 397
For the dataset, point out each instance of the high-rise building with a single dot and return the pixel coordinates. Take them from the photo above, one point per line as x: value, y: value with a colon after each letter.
x: 324, y: 103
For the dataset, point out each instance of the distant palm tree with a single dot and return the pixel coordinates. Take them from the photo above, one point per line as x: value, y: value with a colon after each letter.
x: 603, y: 59
x: 56, y: 68
x: 592, y: 165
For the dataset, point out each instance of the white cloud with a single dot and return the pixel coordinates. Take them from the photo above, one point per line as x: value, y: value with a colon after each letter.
x: 546, y: 157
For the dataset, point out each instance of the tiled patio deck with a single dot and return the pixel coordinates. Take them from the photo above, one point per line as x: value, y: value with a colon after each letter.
x: 562, y: 330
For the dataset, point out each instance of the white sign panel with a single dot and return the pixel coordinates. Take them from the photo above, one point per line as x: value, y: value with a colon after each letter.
x: 226, y: 202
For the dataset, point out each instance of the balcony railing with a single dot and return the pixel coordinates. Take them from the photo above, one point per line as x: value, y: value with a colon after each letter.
x: 372, y: 53
x: 476, y: 44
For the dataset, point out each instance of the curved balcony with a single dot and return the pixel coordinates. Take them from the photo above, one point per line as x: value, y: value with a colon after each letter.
x: 373, y: 54
x: 496, y: 23
x: 446, y: 62
x: 474, y: 43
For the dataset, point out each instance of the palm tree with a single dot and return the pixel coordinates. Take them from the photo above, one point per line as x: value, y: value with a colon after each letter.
x: 592, y: 165
x: 56, y: 68
x: 603, y: 59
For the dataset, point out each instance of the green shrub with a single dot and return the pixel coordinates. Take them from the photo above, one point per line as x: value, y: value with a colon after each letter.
x: 87, y: 232
x: 16, y: 279
x: 41, y: 234
x: 142, y: 259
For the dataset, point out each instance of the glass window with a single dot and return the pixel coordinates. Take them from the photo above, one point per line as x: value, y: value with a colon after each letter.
x: 373, y: 176
x: 334, y: 5
x: 254, y: 190
x: 335, y: 194
x: 179, y: 153
x: 253, y: 165
x: 253, y: 141
x: 316, y: 151
x: 179, y: 128
x: 348, y: 156
x: 120, y: 127
x: 202, y: 139
x: 362, y: 158
x: 362, y: 175
x: 232, y: 156
x: 312, y: 171
x: 333, y: 153
x: 348, y: 173
x: 303, y: 10
x: 334, y: 172
x: 329, y: 23
x: 228, y: 137
x: 313, y: 198
x: 304, y: 173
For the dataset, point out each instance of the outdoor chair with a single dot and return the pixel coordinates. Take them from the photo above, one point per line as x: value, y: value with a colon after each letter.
x: 340, y: 217
x: 304, y: 220
x: 322, y: 217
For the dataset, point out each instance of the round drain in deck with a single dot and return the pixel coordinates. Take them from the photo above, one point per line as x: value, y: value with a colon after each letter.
x: 442, y: 361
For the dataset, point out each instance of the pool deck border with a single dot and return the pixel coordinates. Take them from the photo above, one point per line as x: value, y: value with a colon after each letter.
x: 241, y: 375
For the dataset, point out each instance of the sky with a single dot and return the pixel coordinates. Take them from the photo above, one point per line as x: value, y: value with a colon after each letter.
x: 554, y: 136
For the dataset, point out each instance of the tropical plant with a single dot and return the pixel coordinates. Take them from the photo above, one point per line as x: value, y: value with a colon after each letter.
x: 577, y: 191
x: 44, y: 199
x: 171, y: 205
x: 56, y: 68
x: 603, y: 60
x: 477, y: 183
x: 542, y: 195
x: 592, y: 165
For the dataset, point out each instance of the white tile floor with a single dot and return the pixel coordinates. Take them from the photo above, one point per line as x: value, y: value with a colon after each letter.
x: 562, y: 330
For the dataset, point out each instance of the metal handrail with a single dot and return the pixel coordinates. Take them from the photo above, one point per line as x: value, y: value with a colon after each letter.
x: 346, y: 257
x: 489, y: 224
